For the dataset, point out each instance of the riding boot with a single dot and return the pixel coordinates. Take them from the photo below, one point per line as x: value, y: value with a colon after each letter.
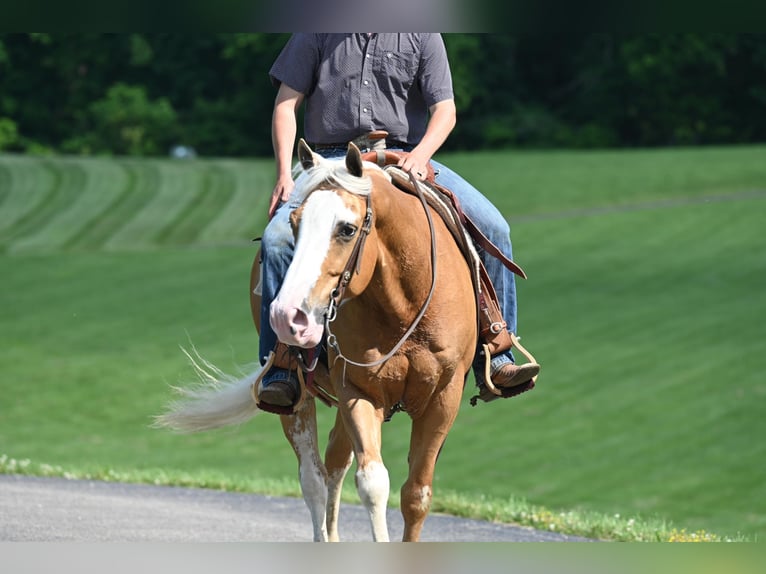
x: 280, y: 386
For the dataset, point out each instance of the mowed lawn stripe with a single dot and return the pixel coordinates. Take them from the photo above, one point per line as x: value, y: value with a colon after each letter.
x: 71, y: 179
x: 30, y: 184
x: 188, y: 225
x: 25, y: 184
x: 239, y: 219
x: 5, y: 184
x: 144, y: 186
x: 104, y: 182
x: 175, y: 186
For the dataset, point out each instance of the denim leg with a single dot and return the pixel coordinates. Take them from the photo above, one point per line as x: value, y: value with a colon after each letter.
x: 492, y: 223
x: 277, y: 248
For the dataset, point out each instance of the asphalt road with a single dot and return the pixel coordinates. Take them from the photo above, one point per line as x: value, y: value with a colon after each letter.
x: 35, y: 509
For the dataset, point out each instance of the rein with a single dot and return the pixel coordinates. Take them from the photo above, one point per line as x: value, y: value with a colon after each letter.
x: 354, y: 262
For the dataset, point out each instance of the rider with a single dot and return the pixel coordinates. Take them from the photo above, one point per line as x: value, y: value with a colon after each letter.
x: 353, y: 84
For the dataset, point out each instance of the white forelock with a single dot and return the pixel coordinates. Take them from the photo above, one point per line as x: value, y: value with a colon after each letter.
x: 334, y: 172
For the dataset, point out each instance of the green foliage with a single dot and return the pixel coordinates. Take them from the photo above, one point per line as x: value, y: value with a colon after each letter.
x: 578, y: 91
x: 126, y: 122
x: 610, y: 90
x: 8, y: 133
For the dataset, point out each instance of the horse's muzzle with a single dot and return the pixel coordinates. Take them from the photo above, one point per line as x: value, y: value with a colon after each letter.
x: 294, y: 327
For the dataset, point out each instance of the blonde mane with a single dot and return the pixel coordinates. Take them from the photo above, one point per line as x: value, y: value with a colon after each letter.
x: 330, y: 171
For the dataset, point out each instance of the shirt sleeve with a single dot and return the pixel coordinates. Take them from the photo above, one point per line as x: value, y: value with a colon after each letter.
x: 297, y: 63
x: 435, y: 77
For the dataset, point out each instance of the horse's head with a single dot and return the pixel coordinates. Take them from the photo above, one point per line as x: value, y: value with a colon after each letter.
x: 328, y: 225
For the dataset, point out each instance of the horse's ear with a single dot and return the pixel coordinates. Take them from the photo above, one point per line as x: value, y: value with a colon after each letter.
x: 354, y: 160
x: 305, y: 155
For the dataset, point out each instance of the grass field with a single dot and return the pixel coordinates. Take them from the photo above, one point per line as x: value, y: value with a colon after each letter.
x: 645, y: 305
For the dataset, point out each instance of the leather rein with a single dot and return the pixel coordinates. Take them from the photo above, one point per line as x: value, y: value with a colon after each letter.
x: 352, y: 266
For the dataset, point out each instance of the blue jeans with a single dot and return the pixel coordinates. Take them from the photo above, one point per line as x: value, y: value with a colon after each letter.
x: 278, y: 244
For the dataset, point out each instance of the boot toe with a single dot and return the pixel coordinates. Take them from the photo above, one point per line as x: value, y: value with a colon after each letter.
x: 511, y: 375
x: 279, y: 393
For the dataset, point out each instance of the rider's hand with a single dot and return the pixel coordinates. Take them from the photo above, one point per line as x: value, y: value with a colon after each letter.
x: 416, y: 163
x: 281, y: 193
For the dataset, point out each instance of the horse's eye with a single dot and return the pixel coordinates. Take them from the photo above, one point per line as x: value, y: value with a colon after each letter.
x: 346, y: 231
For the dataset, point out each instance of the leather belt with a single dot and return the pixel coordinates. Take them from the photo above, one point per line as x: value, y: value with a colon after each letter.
x: 390, y: 144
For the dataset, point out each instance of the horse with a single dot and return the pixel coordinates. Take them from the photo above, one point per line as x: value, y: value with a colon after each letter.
x: 397, y: 312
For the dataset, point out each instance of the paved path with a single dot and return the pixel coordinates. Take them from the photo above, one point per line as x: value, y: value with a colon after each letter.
x: 55, y: 509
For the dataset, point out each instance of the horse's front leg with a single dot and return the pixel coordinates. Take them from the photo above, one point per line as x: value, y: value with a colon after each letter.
x: 363, y: 424
x: 429, y: 432
x: 301, y: 430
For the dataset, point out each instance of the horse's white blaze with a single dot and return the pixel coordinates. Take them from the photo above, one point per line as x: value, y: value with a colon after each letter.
x: 321, y: 213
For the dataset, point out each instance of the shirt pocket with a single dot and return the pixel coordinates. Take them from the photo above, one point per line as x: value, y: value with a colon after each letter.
x: 395, y: 72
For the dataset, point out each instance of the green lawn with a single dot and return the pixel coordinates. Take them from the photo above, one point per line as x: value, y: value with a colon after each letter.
x: 645, y: 305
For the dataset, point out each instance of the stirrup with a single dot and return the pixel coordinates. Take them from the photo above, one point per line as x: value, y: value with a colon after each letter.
x: 277, y: 409
x: 503, y: 392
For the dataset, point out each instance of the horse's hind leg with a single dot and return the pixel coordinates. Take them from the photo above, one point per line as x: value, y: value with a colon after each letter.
x: 429, y: 432
x: 338, y: 457
x: 301, y: 430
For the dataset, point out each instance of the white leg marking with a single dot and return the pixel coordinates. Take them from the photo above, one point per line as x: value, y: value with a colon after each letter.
x: 372, y: 482
x: 312, y: 481
x: 425, y: 498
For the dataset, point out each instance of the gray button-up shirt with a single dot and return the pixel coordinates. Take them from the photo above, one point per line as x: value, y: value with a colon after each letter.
x: 357, y: 83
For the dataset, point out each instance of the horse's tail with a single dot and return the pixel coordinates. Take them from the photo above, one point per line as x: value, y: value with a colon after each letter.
x: 218, y: 400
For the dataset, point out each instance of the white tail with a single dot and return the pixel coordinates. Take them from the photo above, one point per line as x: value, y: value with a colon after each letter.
x: 219, y: 400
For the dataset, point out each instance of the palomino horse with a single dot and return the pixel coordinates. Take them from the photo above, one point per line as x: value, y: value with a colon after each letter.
x: 397, y: 310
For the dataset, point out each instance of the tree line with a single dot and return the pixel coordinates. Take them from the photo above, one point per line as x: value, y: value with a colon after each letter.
x: 143, y: 93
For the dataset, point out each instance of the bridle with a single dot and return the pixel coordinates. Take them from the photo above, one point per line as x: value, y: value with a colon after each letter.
x: 352, y: 266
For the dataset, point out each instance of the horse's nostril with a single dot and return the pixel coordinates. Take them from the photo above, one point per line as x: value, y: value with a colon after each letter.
x: 298, y: 319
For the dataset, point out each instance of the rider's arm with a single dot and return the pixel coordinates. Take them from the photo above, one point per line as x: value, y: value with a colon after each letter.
x: 284, y: 127
x: 442, y: 121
